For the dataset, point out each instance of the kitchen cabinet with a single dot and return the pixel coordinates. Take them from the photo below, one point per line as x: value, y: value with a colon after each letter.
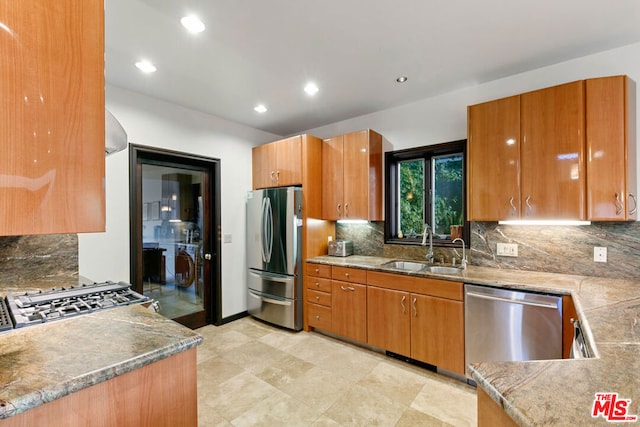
x: 278, y: 164
x: 611, y: 149
x: 526, y: 156
x: 318, y: 296
x: 493, y: 161
x: 421, y: 318
x: 352, y: 176
x: 52, y: 127
x: 349, y: 303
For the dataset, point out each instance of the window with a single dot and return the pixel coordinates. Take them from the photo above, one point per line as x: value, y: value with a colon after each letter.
x: 426, y: 185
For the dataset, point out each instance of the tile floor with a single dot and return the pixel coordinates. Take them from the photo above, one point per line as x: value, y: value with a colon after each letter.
x: 252, y: 374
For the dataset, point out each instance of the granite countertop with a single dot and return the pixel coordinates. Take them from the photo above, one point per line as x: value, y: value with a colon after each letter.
x: 556, y: 392
x: 39, y: 364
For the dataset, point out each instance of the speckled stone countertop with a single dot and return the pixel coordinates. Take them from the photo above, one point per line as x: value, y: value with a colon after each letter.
x: 556, y: 392
x: 41, y: 363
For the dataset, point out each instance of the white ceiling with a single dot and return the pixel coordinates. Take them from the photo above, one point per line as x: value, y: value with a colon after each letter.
x: 265, y: 51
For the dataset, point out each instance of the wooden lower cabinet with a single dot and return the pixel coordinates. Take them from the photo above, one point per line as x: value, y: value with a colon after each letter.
x: 388, y: 320
x: 490, y: 414
x: 437, y: 332
x: 349, y: 310
x: 162, y: 394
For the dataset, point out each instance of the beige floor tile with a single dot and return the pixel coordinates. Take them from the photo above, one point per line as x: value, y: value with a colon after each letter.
x: 278, y: 410
x: 401, y: 385
x: 448, y: 400
x: 254, y: 356
x: 348, y: 363
x: 413, y: 418
x: 207, y: 417
x: 324, y: 421
x: 317, y: 388
x: 215, y: 371
x: 360, y: 406
x: 285, y: 371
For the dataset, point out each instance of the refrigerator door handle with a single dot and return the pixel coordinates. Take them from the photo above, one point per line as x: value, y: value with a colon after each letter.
x: 269, y: 230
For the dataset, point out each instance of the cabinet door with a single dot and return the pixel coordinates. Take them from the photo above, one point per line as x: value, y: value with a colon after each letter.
x: 263, y: 160
x: 494, y: 160
x: 332, y: 178
x: 389, y: 320
x: 552, y: 153
x: 52, y: 120
x: 349, y: 310
x: 610, y: 124
x: 437, y: 332
x: 289, y: 161
x: 356, y: 175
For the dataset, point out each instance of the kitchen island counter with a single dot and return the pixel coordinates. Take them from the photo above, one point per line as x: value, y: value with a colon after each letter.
x: 43, y: 363
x: 555, y: 392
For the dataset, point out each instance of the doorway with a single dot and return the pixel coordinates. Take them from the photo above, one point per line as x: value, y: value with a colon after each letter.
x: 174, y: 239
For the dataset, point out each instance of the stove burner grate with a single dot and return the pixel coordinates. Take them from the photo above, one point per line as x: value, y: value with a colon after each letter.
x: 5, y: 318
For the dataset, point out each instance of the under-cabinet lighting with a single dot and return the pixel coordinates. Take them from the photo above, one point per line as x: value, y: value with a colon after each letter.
x: 353, y: 221
x: 544, y: 222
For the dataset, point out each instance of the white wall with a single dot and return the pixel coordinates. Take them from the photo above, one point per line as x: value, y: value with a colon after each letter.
x: 444, y: 118
x: 152, y: 122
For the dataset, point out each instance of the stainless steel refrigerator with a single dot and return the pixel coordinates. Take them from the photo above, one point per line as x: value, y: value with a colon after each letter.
x: 274, y: 256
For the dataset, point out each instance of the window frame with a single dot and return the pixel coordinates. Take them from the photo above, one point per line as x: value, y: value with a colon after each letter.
x: 426, y: 153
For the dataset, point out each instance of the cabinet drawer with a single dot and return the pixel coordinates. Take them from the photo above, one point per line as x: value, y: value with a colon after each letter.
x: 346, y: 274
x: 321, y: 298
x: 319, y: 270
x: 439, y: 288
x: 319, y: 316
x: 318, y: 284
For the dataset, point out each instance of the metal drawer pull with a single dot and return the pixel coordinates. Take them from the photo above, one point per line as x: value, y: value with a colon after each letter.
x: 318, y: 317
x: 619, y: 206
x: 415, y: 309
x: 635, y: 204
x: 317, y: 285
x: 512, y: 301
x: 513, y: 207
x: 347, y: 288
x: 526, y: 201
x: 346, y: 210
x: 317, y: 270
x: 346, y: 274
x: 404, y: 298
x: 317, y: 298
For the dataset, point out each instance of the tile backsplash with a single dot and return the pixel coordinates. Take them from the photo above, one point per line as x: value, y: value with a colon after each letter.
x: 39, y: 258
x: 557, y: 249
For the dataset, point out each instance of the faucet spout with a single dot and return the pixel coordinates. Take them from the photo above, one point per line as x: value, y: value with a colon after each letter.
x: 427, y: 229
x: 464, y: 255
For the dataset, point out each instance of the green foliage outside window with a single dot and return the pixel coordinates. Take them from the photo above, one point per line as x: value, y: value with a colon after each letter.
x: 411, y: 218
x: 448, y: 195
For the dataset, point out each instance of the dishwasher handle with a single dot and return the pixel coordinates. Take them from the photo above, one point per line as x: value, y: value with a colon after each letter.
x: 511, y: 301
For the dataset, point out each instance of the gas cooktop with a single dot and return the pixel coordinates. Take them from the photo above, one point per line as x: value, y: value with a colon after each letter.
x: 44, y: 306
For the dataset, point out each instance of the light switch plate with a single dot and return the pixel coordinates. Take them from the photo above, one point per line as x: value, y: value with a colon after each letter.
x: 600, y: 254
x: 507, y: 249
x: 227, y: 238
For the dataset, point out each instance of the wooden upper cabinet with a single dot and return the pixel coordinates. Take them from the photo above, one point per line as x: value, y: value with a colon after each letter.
x: 52, y: 125
x: 494, y: 159
x: 611, y: 149
x: 277, y: 164
x: 352, y: 176
x: 552, y: 153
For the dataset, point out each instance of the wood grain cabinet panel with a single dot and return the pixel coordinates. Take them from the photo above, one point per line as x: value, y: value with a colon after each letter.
x: 493, y: 159
x: 277, y: 164
x: 349, y: 310
x: 611, y: 149
x: 352, y: 176
x: 52, y: 126
x: 552, y: 153
x: 389, y: 320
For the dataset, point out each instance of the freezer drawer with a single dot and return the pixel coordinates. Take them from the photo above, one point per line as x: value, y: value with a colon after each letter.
x: 274, y: 284
x: 506, y: 325
x: 279, y: 311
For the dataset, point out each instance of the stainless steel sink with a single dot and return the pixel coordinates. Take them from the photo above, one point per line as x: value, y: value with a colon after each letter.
x: 405, y: 265
x: 444, y: 270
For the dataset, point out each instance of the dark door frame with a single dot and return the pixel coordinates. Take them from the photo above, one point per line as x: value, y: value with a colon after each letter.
x: 139, y: 155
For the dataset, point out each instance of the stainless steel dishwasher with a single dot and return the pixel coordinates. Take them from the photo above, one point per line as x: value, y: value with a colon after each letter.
x: 507, y: 325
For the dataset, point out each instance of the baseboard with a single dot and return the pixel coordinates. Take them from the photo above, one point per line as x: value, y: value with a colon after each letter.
x: 234, y: 317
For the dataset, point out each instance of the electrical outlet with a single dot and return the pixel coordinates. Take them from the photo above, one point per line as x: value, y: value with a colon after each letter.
x: 507, y: 249
x: 600, y: 254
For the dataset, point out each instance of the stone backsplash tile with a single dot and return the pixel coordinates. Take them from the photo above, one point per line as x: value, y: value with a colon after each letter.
x: 41, y: 258
x: 556, y: 249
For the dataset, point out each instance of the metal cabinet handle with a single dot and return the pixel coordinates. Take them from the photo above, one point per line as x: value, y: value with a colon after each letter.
x: 318, y: 317
x: 277, y: 176
x: 338, y: 210
x: 346, y: 210
x: 635, y: 204
x: 207, y: 257
x: 272, y: 176
x: 317, y: 298
x: 526, y: 201
x: 619, y: 205
x: 347, y: 288
x: 346, y: 274
x: 415, y: 309
x: 513, y: 207
x: 317, y: 285
x: 404, y: 298
x: 317, y: 270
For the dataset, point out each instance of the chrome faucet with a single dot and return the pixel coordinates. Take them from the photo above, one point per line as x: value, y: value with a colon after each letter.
x: 464, y: 255
x: 427, y: 228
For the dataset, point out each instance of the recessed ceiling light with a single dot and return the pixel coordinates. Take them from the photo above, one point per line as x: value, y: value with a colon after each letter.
x: 146, y: 66
x: 311, y: 88
x: 193, y: 24
x: 260, y: 108
x: 402, y: 79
